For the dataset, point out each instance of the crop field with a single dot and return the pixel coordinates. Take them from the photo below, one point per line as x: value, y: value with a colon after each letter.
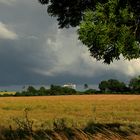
x: 7, y: 92
x: 76, y: 110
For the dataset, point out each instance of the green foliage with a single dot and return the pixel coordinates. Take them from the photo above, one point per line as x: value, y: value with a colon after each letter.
x: 68, y: 12
x: 54, y: 90
x: 112, y: 85
x: 108, y: 32
x: 103, y: 86
x: 31, y: 90
x: 85, y: 86
x: 43, y: 91
x: 109, y: 28
x: 91, y: 91
x: 58, y: 90
x: 135, y: 84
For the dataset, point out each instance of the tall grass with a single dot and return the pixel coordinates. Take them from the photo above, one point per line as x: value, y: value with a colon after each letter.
x: 92, y: 131
x: 24, y: 130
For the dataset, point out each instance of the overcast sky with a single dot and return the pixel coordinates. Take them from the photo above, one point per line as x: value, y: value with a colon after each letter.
x: 34, y: 51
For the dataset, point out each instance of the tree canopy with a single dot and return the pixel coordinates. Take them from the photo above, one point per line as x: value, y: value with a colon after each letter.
x: 135, y: 84
x: 109, y: 28
x: 112, y: 85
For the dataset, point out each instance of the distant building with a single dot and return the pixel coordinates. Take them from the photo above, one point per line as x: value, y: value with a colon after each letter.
x: 73, y: 86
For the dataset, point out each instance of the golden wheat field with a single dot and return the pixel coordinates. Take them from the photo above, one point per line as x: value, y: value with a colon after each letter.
x: 7, y: 92
x: 76, y: 110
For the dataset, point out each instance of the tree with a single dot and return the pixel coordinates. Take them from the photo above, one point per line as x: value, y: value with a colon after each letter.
x: 103, y: 86
x: 116, y: 86
x: 110, y: 32
x: 42, y: 91
x: 85, y: 86
x: 134, y: 84
x: 112, y: 85
x: 109, y: 28
x: 31, y: 89
x: 91, y: 91
x: 68, y: 12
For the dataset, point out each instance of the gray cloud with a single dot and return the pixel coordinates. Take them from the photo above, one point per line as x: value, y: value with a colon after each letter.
x: 34, y: 51
x: 6, y: 33
x: 7, y: 2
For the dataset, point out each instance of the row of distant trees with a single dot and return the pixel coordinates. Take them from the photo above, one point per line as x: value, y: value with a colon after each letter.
x: 42, y: 91
x: 113, y: 85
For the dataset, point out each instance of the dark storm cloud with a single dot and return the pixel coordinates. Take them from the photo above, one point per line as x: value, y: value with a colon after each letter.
x: 37, y: 52
x: 19, y: 57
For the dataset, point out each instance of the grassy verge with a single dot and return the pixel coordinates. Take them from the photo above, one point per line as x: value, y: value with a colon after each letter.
x: 60, y: 131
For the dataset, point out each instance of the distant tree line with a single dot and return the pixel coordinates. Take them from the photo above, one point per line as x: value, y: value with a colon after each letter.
x: 54, y: 90
x: 115, y: 86
x: 111, y: 86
